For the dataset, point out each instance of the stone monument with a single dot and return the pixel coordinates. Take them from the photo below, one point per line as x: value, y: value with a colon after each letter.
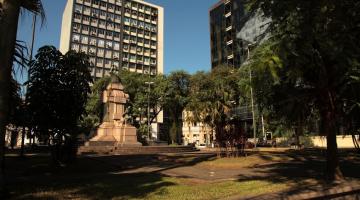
x: 114, y: 130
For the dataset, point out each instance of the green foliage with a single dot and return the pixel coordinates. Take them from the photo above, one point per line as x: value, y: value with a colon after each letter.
x: 57, y: 93
x: 212, y: 96
x: 176, y: 99
x: 139, y: 97
x: 94, y: 106
x: 306, y: 67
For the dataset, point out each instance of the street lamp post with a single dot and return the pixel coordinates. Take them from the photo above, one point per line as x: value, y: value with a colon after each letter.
x: 252, y: 98
x: 148, y: 108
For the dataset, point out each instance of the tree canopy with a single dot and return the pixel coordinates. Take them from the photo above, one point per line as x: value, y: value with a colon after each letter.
x: 310, y: 62
x: 57, y: 92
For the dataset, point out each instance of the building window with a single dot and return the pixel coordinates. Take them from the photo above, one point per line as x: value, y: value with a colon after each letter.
x: 110, y: 17
x: 76, y: 38
x: 116, y: 45
x: 116, y: 35
x: 118, y: 2
x: 92, y: 41
x: 133, y: 39
x: 85, y: 28
x: 92, y: 50
x: 77, y: 16
x: 87, y: 10
x: 102, y: 23
x: 101, y: 32
x: 109, y: 33
x: 102, y: 13
x: 132, y: 57
x: 76, y: 27
x: 126, y: 47
x: 95, y: 2
x: 84, y: 39
x: 86, y: 19
x: 133, y: 22
x: 118, y: 8
x: 75, y: 47
x: 102, y: 4
x: 127, y: 20
x: 93, y: 31
x: 117, y: 26
x: 95, y: 12
x: 132, y: 48
x: 101, y: 43
x: 110, y: 25
x: 116, y: 55
x: 78, y: 8
x: 109, y: 44
x: 126, y: 28
x: 117, y: 17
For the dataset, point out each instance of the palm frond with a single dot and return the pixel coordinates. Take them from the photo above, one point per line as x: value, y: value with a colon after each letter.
x: 34, y: 6
x: 20, y: 57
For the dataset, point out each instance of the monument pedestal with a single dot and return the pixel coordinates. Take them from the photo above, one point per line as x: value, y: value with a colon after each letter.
x: 118, y: 135
x: 114, y: 131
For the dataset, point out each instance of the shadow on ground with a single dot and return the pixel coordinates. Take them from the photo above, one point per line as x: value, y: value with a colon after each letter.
x: 92, y: 177
x: 305, y: 171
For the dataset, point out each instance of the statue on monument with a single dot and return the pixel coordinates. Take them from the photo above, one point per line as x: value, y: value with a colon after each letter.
x: 113, y: 128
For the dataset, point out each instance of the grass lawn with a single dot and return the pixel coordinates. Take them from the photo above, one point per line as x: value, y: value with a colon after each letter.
x: 244, y: 162
x: 147, y: 186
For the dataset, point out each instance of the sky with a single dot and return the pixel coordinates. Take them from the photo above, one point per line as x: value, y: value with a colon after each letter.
x: 187, y: 37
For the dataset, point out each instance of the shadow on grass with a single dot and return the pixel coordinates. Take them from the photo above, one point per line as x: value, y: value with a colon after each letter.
x: 92, y: 177
x: 305, y: 171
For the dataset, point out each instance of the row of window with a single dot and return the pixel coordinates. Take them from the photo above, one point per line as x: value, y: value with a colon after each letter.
x: 92, y: 25
x: 109, y: 44
x: 110, y: 5
x: 111, y: 16
x: 115, y: 55
x: 114, y: 23
x: 140, y: 24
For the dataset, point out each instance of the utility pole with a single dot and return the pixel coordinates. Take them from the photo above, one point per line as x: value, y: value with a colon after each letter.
x: 252, y: 99
x: 148, y: 109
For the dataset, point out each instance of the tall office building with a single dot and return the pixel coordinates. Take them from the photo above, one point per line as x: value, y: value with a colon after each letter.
x: 115, y: 34
x: 232, y: 29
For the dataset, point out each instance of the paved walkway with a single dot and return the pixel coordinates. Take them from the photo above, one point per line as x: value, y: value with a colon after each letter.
x: 349, y: 189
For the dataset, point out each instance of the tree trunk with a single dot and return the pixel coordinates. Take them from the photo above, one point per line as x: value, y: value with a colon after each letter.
x: 8, y: 30
x: 328, y: 118
x: 22, y: 141
x: 333, y: 171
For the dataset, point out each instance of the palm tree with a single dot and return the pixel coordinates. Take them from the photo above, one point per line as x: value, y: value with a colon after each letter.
x: 9, y: 16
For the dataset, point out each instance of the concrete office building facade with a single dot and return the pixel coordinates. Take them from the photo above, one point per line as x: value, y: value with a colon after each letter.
x: 116, y: 34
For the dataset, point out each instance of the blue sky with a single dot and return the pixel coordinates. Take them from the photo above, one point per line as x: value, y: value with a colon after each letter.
x: 187, y: 39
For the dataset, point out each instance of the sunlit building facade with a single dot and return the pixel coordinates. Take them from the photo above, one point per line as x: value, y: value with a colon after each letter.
x: 116, y: 34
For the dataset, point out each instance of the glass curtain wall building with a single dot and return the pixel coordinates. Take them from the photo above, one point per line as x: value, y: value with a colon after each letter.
x: 232, y: 28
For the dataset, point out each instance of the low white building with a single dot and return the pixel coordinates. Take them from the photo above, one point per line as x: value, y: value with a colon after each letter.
x: 196, y: 133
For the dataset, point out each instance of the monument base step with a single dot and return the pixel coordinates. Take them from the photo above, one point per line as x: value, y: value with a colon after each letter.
x: 125, y: 150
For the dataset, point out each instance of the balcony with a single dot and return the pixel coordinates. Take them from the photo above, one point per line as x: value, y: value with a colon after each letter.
x: 229, y: 42
x: 87, y: 12
x: 229, y: 28
x: 228, y: 14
